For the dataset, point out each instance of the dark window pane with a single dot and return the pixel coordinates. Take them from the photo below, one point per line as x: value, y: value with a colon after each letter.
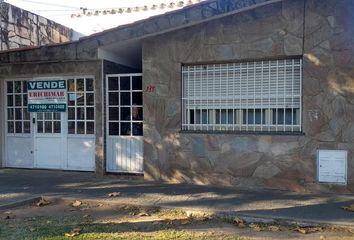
x: 10, y: 100
x: 80, y: 127
x: 10, y: 114
x: 191, y: 116
x: 113, y: 99
x: 90, y: 128
x: 71, y: 113
x: 25, y: 100
x: 24, y: 86
x: 80, y: 99
x: 137, y: 98
x: 18, y: 113
x: 48, y: 116
x: 26, y: 114
x: 137, y: 83
x: 113, y: 128
x: 39, y: 127
x: 113, y: 113
x: 10, y: 127
x: 71, y: 85
x: 48, y: 127
x: 89, y: 99
x: 10, y: 87
x: 71, y: 127
x: 40, y: 116
x: 18, y: 87
x: 56, y: 116
x: 89, y: 84
x: 26, y: 127
x: 18, y: 100
x: 125, y: 99
x: 137, y: 113
x: 57, y: 127
x: 80, y: 113
x: 125, y: 83
x: 90, y: 113
x: 279, y: 118
x: 137, y: 129
x: 71, y: 99
x: 18, y: 127
x: 201, y: 116
x: 125, y: 129
x: 113, y: 83
x: 125, y: 113
x: 80, y: 85
x: 220, y: 118
x: 252, y: 116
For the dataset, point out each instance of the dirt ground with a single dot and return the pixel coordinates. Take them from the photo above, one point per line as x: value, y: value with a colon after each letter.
x: 60, y: 219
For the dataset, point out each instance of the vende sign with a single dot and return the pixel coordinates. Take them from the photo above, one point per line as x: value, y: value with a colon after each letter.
x: 47, y: 96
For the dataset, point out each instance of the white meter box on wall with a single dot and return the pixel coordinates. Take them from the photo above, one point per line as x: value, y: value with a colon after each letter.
x: 332, y: 166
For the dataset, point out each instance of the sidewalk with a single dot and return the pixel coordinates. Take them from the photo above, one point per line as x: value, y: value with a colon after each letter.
x: 20, y: 185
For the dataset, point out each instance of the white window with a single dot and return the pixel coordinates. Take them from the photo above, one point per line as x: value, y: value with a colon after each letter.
x: 81, y: 106
x: 248, y: 96
x: 18, y: 118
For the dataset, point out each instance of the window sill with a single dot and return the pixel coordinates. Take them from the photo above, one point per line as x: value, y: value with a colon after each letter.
x: 243, y: 133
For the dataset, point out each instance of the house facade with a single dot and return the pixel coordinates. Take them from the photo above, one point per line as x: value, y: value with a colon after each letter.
x: 250, y: 93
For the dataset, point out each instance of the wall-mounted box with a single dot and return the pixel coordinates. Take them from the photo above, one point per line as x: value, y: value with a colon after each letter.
x: 332, y: 166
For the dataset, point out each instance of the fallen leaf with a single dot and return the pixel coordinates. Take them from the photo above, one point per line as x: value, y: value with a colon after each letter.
x: 274, y: 228
x: 322, y: 237
x: 114, y: 194
x: 255, y: 227
x: 239, y: 222
x: 348, y: 208
x: 86, y: 216
x: 185, y: 221
x: 11, y: 226
x: 42, y: 202
x: 32, y: 229
x: 76, y: 203
x: 135, y: 228
x: 49, y: 222
x: 73, y: 233
x: 143, y: 214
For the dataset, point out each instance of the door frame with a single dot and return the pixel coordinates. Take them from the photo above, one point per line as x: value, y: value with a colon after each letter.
x: 107, y: 136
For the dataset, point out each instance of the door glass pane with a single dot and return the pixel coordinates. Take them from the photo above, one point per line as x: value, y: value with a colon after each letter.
x: 125, y: 113
x: 18, y: 113
x: 124, y: 98
x: 10, y: 127
x: 80, y: 85
x: 125, y: 129
x: 71, y: 85
x: 89, y: 99
x: 80, y: 99
x: 10, y: 100
x: 18, y: 127
x: 80, y: 127
x: 57, y: 127
x: 80, y: 113
x: 113, y: 83
x: 40, y: 116
x: 10, y: 87
x: 39, y: 127
x: 48, y: 127
x: 71, y: 99
x: 137, y: 129
x: 90, y: 127
x: 90, y: 113
x: 18, y: 87
x: 26, y: 114
x: 137, y: 83
x: 125, y: 83
x: 137, y: 98
x: 24, y: 86
x: 48, y: 116
x: 25, y: 100
x: 56, y: 116
x: 18, y: 100
x: 113, y: 98
x: 26, y: 127
x: 89, y: 84
x: 114, y: 128
x: 137, y: 113
x: 71, y: 127
x: 113, y: 113
x: 10, y: 113
x: 71, y: 113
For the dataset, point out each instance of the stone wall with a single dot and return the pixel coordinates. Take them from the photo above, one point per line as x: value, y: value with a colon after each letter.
x: 322, y: 34
x: 20, y: 28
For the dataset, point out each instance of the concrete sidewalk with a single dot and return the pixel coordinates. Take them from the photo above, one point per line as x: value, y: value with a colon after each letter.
x: 20, y: 185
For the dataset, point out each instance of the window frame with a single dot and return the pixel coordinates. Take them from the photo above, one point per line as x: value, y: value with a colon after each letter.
x: 237, y: 124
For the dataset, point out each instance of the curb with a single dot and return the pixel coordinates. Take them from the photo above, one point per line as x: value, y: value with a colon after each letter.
x: 19, y: 203
x: 228, y: 215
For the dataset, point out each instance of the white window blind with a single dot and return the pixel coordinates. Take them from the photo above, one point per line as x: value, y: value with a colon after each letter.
x: 248, y: 96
